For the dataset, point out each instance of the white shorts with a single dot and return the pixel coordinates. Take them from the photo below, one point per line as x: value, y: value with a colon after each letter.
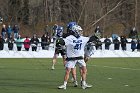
x: 72, y: 64
x: 88, y: 53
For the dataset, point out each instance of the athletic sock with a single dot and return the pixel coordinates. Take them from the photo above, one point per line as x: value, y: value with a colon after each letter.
x: 83, y: 82
x: 65, y: 83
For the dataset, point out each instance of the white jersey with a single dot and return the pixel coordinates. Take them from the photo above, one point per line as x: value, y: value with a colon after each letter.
x: 75, y: 46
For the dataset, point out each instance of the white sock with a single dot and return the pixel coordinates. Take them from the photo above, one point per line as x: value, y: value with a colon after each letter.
x: 81, y: 78
x: 65, y: 83
x: 83, y: 82
x: 52, y: 65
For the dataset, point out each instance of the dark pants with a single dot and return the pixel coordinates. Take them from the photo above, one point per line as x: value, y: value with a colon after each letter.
x: 18, y: 48
x: 34, y: 48
x: 107, y: 47
x: 27, y: 49
x: 1, y: 46
x: 11, y: 48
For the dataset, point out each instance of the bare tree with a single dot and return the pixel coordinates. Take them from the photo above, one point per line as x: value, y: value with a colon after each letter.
x: 113, y: 16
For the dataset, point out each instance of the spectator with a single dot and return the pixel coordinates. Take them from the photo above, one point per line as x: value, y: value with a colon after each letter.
x: 10, y: 43
x: 138, y: 45
x: 45, y: 41
x: 3, y: 32
x: 114, y: 36
x: 34, y: 42
x: 1, y: 20
x: 16, y: 31
x: 27, y: 44
x: 1, y: 43
x: 123, y: 43
x: 19, y: 43
x: 116, y: 44
x: 98, y: 44
x: 46, y: 29
x: 98, y: 32
x: 97, y: 29
x: 107, y: 42
x: 9, y: 31
x: 133, y: 44
x: 133, y: 33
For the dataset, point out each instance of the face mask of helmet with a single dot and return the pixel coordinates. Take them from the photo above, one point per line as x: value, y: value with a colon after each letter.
x: 77, y: 31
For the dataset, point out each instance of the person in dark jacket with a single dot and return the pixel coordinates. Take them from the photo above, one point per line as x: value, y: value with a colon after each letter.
x: 16, y: 31
x: 133, y: 33
x: 1, y: 43
x: 138, y: 45
x: 107, y: 42
x: 3, y: 31
x: 133, y: 44
x: 98, y: 44
x: 34, y: 42
x: 116, y: 44
x: 9, y: 31
x: 45, y: 41
x: 123, y: 43
x: 10, y: 43
x: 98, y: 32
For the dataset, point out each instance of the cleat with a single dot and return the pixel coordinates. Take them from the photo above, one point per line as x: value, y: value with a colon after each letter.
x: 62, y: 87
x: 86, y: 86
x: 75, y: 83
x: 53, y: 68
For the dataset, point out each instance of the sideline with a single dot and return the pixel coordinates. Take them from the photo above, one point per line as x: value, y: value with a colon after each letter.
x: 115, y: 67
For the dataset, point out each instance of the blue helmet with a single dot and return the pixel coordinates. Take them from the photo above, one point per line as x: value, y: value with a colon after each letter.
x: 59, y: 31
x: 70, y: 24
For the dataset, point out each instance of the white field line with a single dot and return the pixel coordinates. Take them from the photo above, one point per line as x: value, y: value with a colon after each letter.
x: 115, y: 67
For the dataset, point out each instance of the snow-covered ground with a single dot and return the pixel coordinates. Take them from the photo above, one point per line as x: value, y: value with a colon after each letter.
x: 49, y: 53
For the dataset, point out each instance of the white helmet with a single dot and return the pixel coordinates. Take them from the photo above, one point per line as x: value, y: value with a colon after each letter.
x: 76, y: 30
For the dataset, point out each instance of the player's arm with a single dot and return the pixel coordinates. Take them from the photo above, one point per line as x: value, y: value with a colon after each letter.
x: 93, y: 39
x: 60, y: 43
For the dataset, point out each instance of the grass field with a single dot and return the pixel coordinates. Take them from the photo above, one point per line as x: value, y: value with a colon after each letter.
x: 107, y: 75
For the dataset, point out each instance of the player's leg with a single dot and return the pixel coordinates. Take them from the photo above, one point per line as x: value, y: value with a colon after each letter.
x: 83, y: 71
x: 69, y: 65
x: 66, y: 77
x: 63, y: 54
x: 54, y: 60
x: 80, y: 70
x: 73, y: 72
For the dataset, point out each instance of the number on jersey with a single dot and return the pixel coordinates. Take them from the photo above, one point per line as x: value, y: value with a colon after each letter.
x: 78, y: 46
